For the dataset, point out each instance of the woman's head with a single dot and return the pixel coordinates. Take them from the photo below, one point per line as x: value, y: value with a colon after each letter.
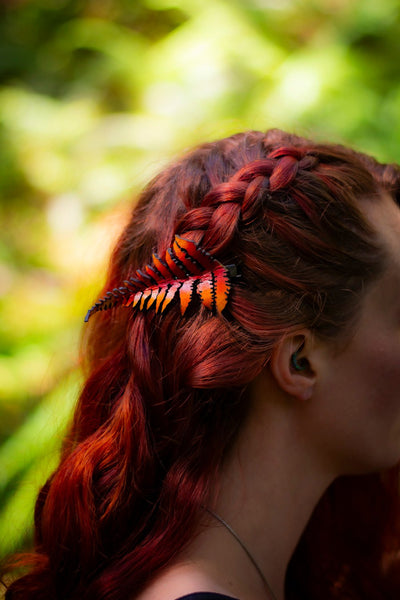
x: 288, y: 212
x: 291, y: 215
x: 166, y: 394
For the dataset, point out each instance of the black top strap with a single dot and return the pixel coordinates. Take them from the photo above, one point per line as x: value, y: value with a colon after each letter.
x: 206, y: 596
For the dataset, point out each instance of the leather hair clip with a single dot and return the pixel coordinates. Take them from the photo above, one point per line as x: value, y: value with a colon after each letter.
x: 185, y: 272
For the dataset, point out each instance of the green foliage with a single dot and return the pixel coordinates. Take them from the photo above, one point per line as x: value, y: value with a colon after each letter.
x: 95, y: 96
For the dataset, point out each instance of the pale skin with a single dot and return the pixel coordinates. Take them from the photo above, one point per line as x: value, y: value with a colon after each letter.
x: 340, y: 415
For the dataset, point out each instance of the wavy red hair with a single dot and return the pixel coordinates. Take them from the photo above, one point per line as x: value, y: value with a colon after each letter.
x: 165, y: 395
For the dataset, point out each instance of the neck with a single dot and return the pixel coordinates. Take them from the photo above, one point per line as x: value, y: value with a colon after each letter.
x: 269, y: 487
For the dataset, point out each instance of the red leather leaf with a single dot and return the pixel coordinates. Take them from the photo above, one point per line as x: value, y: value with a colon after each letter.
x: 145, y: 279
x: 153, y: 273
x: 190, y: 265
x: 132, y: 284
x: 162, y: 267
x: 173, y: 266
x: 202, y: 257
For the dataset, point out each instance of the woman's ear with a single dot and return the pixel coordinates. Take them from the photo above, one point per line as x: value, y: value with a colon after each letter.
x: 291, y: 364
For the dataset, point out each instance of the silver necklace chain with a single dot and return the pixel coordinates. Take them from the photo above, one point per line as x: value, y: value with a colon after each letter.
x: 237, y: 538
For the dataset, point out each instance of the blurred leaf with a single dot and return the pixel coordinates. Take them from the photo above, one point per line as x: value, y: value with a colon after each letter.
x: 28, y: 457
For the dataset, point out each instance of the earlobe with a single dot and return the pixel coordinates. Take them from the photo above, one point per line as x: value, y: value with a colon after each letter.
x: 291, y: 366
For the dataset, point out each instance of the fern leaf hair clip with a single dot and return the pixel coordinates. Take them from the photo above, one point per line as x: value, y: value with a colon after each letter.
x: 187, y: 271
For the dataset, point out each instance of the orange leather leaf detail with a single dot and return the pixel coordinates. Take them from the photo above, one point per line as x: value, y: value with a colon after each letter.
x: 205, y: 290
x: 170, y: 295
x: 145, y: 295
x: 222, y: 287
x: 154, y: 293
x: 186, y: 294
x: 130, y: 300
x: 160, y: 297
x: 136, y: 298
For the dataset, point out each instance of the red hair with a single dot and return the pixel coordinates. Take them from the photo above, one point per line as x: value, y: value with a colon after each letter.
x: 165, y: 395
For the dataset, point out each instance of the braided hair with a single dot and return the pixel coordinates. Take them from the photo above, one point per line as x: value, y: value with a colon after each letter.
x: 166, y: 394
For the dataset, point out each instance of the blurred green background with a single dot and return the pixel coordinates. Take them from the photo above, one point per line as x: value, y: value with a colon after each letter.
x: 95, y: 97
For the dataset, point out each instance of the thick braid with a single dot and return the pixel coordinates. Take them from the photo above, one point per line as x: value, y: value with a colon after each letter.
x: 241, y: 199
x: 189, y: 270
